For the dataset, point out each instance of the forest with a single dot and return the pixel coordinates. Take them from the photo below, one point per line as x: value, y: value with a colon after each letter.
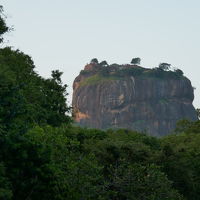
x: 43, y: 155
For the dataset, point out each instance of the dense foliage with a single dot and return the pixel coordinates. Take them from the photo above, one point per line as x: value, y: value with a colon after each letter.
x: 3, y: 27
x: 27, y: 98
x: 69, y: 162
x: 43, y: 156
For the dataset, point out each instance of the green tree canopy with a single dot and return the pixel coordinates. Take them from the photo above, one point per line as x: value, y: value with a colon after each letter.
x: 198, y: 113
x: 103, y: 63
x: 179, y: 72
x: 3, y: 27
x: 26, y: 97
x: 135, y: 61
x: 94, y: 60
x: 164, y: 66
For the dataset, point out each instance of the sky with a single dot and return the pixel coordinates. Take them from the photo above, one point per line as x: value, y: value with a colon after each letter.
x: 66, y: 34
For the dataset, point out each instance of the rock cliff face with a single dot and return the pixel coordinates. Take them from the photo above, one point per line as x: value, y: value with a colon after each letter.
x: 132, y: 97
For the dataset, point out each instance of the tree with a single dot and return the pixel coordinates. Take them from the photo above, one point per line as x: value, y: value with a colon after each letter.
x: 3, y: 27
x: 103, y: 63
x: 136, y: 182
x: 135, y: 61
x: 179, y: 72
x: 94, y: 61
x: 164, y: 66
x: 45, y: 164
x: 183, y: 126
x: 54, y: 100
x: 56, y: 75
x: 198, y: 113
x: 26, y: 97
x: 179, y: 160
x: 186, y: 126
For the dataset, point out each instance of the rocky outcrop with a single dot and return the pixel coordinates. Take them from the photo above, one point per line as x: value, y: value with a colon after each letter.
x: 117, y: 97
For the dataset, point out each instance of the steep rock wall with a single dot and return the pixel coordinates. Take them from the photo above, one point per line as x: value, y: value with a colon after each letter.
x: 147, y: 104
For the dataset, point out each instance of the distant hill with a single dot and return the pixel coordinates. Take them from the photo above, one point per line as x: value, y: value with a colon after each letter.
x: 133, y: 97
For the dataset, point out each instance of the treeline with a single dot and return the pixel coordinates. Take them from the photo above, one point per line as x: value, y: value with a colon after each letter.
x: 163, y: 71
x: 44, y: 156
x: 72, y: 163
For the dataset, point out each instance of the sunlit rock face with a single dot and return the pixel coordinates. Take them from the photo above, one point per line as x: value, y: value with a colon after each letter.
x: 146, y: 103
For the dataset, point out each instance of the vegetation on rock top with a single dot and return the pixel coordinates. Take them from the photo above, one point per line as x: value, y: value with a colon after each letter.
x: 103, y: 72
x: 97, y: 78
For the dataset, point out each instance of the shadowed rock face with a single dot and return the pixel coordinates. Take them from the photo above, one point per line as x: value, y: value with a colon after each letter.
x: 149, y: 104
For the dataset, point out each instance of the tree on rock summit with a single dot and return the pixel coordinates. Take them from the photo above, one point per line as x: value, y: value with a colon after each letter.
x: 135, y: 61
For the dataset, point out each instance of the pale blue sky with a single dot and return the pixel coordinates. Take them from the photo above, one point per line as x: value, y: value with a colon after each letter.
x: 66, y: 34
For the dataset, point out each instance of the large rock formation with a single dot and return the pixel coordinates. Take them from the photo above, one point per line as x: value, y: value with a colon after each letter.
x: 129, y: 96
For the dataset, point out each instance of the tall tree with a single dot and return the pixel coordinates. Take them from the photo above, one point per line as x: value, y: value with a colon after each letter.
x: 27, y: 98
x: 3, y: 27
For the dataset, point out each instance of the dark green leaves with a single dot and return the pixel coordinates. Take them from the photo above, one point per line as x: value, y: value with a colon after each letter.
x: 27, y: 98
x: 3, y: 27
